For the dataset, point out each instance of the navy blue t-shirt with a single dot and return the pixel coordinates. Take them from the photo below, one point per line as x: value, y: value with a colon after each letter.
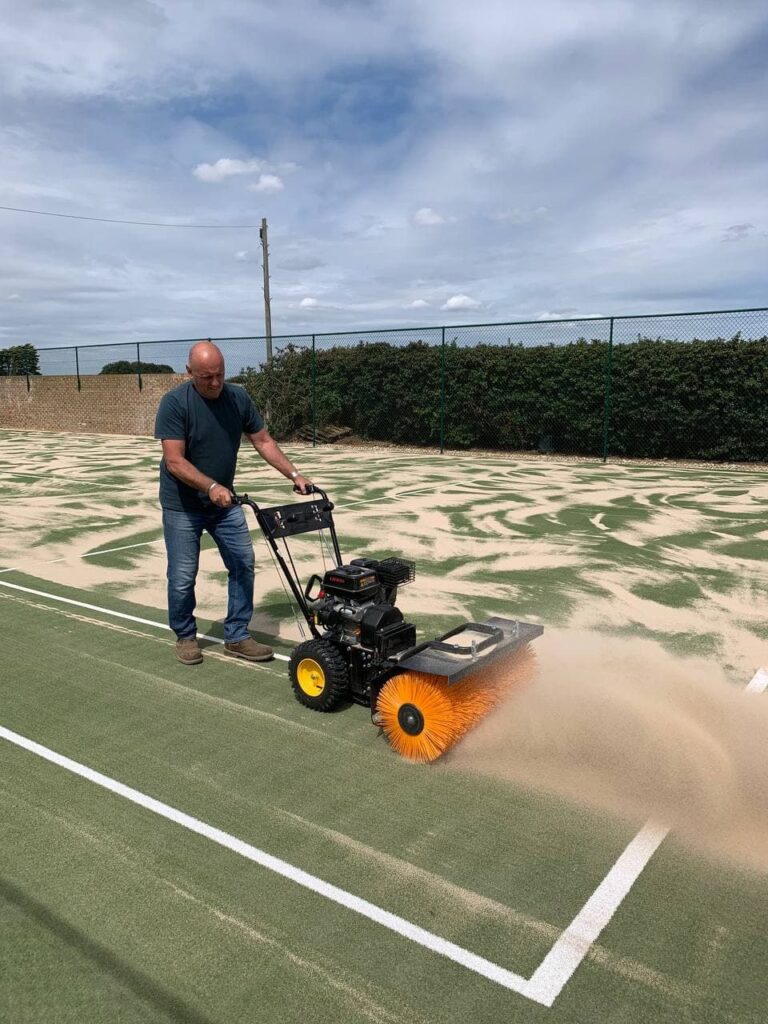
x: 211, y: 430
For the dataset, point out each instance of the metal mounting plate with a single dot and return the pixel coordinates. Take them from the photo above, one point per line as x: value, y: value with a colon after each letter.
x: 433, y: 658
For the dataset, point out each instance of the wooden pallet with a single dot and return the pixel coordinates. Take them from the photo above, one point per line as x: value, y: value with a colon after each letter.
x: 327, y: 434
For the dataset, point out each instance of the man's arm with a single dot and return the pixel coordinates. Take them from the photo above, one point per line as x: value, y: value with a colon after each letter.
x: 270, y: 451
x: 174, y: 453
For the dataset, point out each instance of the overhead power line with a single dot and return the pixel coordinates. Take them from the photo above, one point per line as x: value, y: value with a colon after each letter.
x: 139, y: 223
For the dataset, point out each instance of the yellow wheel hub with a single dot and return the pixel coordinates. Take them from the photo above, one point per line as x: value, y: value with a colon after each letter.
x: 310, y: 677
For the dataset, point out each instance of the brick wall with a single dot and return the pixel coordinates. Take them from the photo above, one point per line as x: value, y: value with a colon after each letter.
x: 105, y: 404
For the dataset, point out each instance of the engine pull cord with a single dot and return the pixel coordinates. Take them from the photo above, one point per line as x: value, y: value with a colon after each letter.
x: 296, y: 577
x: 325, y: 546
x: 289, y: 597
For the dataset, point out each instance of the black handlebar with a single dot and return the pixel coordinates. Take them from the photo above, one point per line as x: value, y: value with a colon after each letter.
x: 243, y: 499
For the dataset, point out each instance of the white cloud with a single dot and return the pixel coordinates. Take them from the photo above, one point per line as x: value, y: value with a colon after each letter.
x: 267, y: 183
x: 226, y: 167
x: 418, y: 304
x: 243, y: 256
x: 427, y: 217
x: 461, y: 302
x: 309, y: 303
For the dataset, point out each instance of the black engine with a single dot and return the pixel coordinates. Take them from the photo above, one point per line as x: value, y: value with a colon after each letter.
x: 356, y: 603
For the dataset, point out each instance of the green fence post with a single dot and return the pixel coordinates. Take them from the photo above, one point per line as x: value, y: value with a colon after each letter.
x: 314, y: 394
x: 608, y: 391
x: 138, y: 364
x: 442, y: 391
x: 77, y: 367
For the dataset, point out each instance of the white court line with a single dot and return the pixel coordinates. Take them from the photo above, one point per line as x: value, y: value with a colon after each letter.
x: 117, y: 615
x: 758, y: 682
x: 399, y: 925
x: 125, y: 547
x: 557, y: 967
x: 106, y: 551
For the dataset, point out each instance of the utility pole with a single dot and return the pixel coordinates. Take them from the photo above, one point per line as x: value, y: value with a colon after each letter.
x: 267, y: 308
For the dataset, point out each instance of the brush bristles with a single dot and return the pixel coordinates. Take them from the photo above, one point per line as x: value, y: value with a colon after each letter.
x: 448, y: 711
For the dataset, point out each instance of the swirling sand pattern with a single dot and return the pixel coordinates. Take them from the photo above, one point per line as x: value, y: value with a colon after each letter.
x: 672, y: 553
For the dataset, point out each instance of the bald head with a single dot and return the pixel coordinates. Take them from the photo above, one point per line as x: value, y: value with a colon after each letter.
x: 202, y: 355
x: 205, y: 366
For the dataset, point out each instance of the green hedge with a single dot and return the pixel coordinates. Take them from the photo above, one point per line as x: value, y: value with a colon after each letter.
x: 668, y: 399
x: 124, y: 366
x: 691, y: 400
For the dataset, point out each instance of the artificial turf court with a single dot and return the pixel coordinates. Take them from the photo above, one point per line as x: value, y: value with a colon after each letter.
x: 452, y: 890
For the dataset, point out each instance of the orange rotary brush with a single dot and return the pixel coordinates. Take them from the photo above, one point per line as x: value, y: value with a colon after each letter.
x: 422, y: 715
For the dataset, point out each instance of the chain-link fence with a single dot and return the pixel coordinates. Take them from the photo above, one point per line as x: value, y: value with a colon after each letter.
x: 136, y: 359
x: 685, y: 386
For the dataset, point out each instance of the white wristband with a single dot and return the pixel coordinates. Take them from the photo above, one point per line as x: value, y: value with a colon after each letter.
x: 294, y: 474
x: 208, y: 492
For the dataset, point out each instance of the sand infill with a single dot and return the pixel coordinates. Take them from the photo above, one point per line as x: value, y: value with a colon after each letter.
x: 623, y: 726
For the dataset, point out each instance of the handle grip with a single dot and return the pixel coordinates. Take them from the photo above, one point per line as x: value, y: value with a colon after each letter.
x: 308, y: 587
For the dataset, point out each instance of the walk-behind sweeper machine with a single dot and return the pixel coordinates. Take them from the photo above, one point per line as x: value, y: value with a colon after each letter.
x: 425, y: 696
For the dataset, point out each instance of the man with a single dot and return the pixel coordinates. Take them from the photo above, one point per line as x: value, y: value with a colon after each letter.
x: 200, y: 424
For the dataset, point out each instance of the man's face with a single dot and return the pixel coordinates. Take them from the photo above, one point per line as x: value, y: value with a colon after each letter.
x: 209, y: 379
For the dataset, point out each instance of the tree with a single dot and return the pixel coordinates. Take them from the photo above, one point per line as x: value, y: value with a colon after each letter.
x: 19, y: 359
x: 123, y: 366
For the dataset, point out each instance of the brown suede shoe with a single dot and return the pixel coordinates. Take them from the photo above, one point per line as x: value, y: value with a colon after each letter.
x: 188, y: 651
x: 249, y: 650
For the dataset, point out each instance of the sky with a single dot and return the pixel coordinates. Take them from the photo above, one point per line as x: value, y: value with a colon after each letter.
x: 419, y: 162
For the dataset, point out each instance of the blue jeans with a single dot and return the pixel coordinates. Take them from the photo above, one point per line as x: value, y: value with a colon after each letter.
x: 182, y: 532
